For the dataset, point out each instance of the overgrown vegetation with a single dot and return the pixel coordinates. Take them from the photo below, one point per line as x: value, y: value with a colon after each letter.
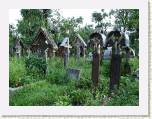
x: 55, y: 89
x: 46, y: 84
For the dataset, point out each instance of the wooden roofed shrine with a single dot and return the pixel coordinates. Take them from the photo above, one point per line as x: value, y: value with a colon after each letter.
x: 64, y: 45
x: 42, y: 42
x: 80, y: 45
x: 18, y: 47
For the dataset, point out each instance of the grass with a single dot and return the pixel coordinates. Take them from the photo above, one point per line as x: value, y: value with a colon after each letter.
x: 55, y: 89
x: 17, y: 72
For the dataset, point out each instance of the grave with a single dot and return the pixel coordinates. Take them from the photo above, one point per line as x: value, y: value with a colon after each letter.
x: 114, y: 40
x: 73, y: 73
x: 18, y: 46
x: 65, y: 50
x: 80, y: 45
x: 96, y: 41
x: 95, y: 68
x: 42, y: 41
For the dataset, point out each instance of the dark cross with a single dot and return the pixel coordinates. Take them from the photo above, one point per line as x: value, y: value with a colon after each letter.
x: 96, y: 41
x: 95, y: 66
x: 115, y: 66
x: 114, y: 39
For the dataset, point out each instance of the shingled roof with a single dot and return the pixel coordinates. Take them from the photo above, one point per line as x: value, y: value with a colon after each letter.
x: 81, y: 40
x: 49, y: 39
x: 65, y: 43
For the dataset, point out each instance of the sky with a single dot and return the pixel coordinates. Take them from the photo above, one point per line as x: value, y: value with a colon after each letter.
x: 14, y: 15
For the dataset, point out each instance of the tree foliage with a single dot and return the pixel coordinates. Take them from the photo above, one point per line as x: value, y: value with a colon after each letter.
x: 99, y: 18
x: 12, y: 34
x: 126, y: 18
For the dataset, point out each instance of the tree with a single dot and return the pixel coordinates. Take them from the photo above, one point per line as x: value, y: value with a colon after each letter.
x: 99, y: 17
x: 12, y: 34
x: 85, y: 32
x: 46, y: 15
x: 32, y: 20
x: 126, y: 18
x: 70, y: 24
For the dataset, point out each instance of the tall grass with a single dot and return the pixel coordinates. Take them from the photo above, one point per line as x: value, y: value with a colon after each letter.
x: 17, y: 71
x: 56, y: 89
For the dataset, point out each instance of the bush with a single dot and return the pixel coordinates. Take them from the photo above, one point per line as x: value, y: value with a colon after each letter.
x: 35, y: 64
x: 83, y: 83
x: 17, y: 72
x: 56, y: 75
x: 128, y: 93
x: 80, y: 97
x: 62, y: 91
x: 63, y: 101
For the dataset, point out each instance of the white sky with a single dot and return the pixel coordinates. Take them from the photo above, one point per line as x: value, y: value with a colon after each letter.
x: 14, y: 15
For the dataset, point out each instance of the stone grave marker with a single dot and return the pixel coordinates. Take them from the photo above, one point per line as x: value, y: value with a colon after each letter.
x: 73, y: 73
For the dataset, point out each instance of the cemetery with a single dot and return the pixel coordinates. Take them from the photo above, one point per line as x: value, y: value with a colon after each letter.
x: 54, y: 61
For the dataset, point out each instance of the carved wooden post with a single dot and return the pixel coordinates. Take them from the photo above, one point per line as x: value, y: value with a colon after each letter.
x: 96, y: 41
x: 53, y: 55
x: 95, y: 66
x: 114, y: 39
x: 84, y: 49
x: 28, y: 52
x: 18, y: 51
x: 78, y: 52
x: 68, y: 51
x: 65, y: 57
x: 115, y: 67
x: 46, y: 59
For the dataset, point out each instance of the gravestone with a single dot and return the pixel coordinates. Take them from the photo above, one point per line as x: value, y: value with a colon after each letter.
x: 95, y: 68
x: 97, y: 43
x: 114, y: 39
x: 73, y: 73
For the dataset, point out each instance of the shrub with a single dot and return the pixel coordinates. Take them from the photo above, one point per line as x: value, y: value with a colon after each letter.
x: 83, y: 83
x: 62, y: 91
x: 16, y: 72
x: 35, y: 64
x: 63, y: 101
x: 128, y: 93
x: 79, y: 97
